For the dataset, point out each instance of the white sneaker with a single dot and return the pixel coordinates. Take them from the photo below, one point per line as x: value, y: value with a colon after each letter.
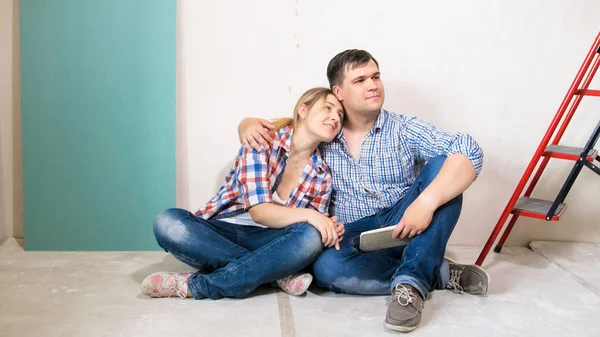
x: 295, y: 284
x: 165, y: 284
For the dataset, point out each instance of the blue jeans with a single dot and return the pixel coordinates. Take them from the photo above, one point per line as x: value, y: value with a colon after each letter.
x: 420, y: 263
x: 234, y: 260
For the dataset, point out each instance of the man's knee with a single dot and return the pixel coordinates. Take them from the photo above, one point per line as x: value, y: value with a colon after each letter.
x: 168, y: 227
x: 333, y: 271
x: 327, y: 268
x: 434, y: 165
x: 458, y: 200
x: 431, y: 169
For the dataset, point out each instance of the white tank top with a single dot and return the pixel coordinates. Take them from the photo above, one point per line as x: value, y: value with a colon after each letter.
x: 244, y: 219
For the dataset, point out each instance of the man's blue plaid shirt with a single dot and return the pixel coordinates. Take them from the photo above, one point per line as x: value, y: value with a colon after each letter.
x: 391, y: 156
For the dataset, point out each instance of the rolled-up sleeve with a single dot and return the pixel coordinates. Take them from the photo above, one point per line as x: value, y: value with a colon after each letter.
x: 253, y: 177
x: 427, y: 141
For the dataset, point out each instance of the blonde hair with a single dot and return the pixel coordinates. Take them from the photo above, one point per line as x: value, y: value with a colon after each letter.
x: 308, y: 99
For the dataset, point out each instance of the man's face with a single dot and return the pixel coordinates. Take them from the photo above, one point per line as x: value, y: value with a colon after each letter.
x: 362, y: 90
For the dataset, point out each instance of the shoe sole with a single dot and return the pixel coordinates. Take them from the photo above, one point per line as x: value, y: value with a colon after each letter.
x: 489, y: 279
x: 307, y: 283
x: 303, y: 290
x: 400, y: 328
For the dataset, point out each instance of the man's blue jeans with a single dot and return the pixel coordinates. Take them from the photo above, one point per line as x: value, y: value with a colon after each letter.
x: 234, y: 260
x: 420, y: 263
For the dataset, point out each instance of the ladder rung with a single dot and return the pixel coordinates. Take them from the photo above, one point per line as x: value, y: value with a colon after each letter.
x: 587, y: 92
x: 568, y: 152
x: 537, y: 208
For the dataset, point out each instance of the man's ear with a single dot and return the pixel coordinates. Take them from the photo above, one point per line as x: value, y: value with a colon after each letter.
x: 302, y: 111
x: 337, y: 92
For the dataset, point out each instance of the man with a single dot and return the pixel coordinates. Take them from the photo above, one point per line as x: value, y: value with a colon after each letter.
x: 391, y: 170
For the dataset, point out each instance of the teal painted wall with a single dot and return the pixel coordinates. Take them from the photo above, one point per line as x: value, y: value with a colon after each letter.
x: 98, y: 116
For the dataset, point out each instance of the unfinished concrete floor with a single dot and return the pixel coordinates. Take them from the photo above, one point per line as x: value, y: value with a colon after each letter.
x: 552, y: 291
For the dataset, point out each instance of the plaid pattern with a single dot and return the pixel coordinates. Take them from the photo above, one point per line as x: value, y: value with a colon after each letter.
x: 391, y: 156
x: 255, y: 176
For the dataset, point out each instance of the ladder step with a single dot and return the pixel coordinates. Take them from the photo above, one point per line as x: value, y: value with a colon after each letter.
x: 537, y: 208
x: 568, y: 152
x: 587, y: 92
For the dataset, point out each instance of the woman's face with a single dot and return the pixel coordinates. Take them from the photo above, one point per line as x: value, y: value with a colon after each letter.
x: 324, y: 119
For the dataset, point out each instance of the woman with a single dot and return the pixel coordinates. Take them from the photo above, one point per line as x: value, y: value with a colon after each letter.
x: 267, y: 222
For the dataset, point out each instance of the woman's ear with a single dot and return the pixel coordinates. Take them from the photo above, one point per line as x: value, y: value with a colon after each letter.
x: 302, y: 111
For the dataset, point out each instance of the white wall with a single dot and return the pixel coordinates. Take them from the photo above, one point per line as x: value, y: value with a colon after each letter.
x: 495, y: 69
x: 11, y: 223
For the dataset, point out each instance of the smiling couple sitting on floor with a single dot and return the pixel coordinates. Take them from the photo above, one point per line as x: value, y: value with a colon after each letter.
x: 303, y: 189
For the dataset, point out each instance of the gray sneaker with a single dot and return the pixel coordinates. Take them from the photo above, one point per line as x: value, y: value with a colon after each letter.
x: 404, y: 312
x: 470, y: 279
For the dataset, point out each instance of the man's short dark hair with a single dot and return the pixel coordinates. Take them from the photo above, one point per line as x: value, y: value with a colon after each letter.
x: 348, y: 59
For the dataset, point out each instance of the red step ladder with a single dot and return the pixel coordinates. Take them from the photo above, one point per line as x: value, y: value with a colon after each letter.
x: 551, y: 210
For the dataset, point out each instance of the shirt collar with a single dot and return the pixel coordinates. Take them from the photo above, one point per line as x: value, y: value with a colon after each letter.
x: 317, y: 161
x: 379, y: 123
x: 283, y: 138
x: 340, y: 134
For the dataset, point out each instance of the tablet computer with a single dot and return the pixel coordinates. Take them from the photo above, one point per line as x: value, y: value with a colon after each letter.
x: 380, y: 238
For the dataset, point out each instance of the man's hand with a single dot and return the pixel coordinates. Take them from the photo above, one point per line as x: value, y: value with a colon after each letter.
x: 254, y: 133
x: 416, y: 219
